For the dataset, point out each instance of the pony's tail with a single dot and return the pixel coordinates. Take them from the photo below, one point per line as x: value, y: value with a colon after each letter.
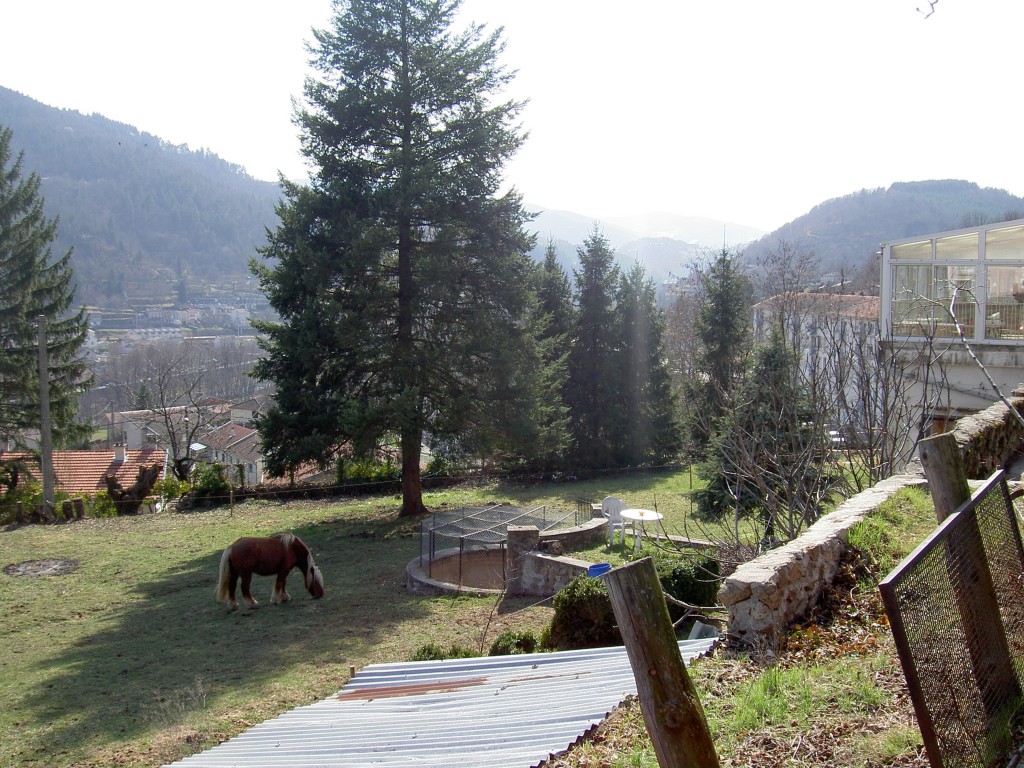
x: 224, y: 578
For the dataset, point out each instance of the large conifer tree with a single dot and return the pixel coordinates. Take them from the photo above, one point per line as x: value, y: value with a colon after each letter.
x: 400, y: 276
x: 32, y: 284
x: 650, y: 430
x: 593, y: 391
x: 723, y: 330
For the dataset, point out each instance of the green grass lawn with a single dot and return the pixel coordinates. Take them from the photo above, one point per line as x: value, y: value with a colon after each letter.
x: 128, y: 660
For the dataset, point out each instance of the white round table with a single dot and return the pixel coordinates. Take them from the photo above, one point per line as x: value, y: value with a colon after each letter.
x: 641, y: 516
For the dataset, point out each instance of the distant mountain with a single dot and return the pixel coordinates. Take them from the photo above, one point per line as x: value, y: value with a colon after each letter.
x: 147, y: 219
x: 846, y: 232
x: 150, y: 220
x: 665, y: 243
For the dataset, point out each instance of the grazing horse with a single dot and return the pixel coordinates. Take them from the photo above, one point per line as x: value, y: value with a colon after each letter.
x: 266, y: 557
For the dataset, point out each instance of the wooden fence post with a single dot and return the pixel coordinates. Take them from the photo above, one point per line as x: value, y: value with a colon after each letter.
x: 944, y: 469
x: 671, y: 708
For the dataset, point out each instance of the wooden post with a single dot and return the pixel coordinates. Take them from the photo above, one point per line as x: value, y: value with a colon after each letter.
x: 971, y: 580
x: 45, y: 439
x: 944, y: 469
x: 671, y: 708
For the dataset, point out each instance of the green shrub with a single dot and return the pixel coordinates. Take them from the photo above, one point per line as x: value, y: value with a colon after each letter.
x: 441, y: 466
x: 29, y: 494
x: 583, y: 617
x: 101, y: 505
x: 209, y: 482
x: 367, y: 471
x: 434, y: 652
x: 510, y: 642
x: 693, y: 580
x: 170, y: 488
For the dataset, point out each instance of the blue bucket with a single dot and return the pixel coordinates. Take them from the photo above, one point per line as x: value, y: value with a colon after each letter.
x: 599, y: 569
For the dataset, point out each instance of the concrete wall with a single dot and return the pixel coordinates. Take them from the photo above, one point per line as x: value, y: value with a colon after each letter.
x: 772, y: 591
x: 534, y: 571
x: 530, y: 565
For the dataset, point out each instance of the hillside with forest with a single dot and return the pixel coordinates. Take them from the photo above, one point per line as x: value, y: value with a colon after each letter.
x: 155, y: 222
x: 845, y: 233
x: 146, y: 218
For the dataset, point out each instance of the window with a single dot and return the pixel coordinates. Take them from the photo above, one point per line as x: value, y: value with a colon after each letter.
x: 964, y: 247
x: 1005, y: 243
x: 924, y: 296
x: 1003, y: 313
x: 921, y: 250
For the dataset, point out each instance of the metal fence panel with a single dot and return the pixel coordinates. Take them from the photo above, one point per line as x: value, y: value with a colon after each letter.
x: 483, y: 527
x: 956, y: 607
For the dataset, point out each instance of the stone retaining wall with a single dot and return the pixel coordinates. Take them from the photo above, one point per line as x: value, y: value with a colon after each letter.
x: 990, y: 439
x: 768, y: 593
x: 772, y: 591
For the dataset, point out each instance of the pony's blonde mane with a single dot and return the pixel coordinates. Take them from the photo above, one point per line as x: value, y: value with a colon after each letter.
x: 312, y: 574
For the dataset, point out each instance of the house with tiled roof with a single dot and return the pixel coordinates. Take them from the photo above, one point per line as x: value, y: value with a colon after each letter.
x: 83, y: 473
x: 809, y: 314
x: 236, y: 446
x: 245, y: 411
x: 148, y: 428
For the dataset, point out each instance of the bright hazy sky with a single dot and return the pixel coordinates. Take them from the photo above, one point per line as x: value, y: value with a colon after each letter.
x: 748, y: 111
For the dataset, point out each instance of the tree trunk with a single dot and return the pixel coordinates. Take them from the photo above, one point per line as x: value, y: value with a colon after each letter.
x: 412, y: 487
x: 129, y: 500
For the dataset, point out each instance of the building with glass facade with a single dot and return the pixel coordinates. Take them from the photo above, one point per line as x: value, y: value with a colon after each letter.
x: 946, y: 295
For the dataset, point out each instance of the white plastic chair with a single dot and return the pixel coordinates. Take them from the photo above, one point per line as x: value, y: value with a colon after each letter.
x: 611, y: 508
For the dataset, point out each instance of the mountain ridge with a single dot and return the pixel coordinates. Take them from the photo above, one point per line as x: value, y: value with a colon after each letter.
x: 150, y: 220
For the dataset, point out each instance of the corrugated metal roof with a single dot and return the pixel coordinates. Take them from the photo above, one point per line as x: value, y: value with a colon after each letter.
x: 488, y: 712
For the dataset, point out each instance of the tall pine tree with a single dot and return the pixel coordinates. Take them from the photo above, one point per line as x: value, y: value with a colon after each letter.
x: 555, y: 295
x: 400, y: 276
x: 650, y: 430
x: 767, y: 457
x: 593, y: 388
x: 33, y: 285
x: 724, y: 334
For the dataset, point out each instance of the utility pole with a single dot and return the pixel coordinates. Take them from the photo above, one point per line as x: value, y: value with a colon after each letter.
x: 45, y: 446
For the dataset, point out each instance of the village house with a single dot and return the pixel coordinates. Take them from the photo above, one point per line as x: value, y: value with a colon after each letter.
x: 237, y: 447
x: 83, y: 473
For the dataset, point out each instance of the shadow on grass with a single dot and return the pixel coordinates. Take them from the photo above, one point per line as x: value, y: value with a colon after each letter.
x: 173, y: 647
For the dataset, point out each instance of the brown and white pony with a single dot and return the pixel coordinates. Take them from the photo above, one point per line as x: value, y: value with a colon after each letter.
x: 266, y: 557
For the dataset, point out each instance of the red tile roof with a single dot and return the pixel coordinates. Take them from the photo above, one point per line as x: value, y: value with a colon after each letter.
x: 846, y: 305
x: 80, y: 472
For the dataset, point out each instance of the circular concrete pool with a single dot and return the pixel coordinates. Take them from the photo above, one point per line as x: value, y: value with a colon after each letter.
x: 475, y: 572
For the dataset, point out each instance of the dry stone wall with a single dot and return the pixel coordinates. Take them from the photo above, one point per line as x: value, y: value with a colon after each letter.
x: 772, y: 591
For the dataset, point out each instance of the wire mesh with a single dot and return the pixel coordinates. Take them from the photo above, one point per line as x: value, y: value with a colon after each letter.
x: 482, y: 527
x: 956, y: 607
